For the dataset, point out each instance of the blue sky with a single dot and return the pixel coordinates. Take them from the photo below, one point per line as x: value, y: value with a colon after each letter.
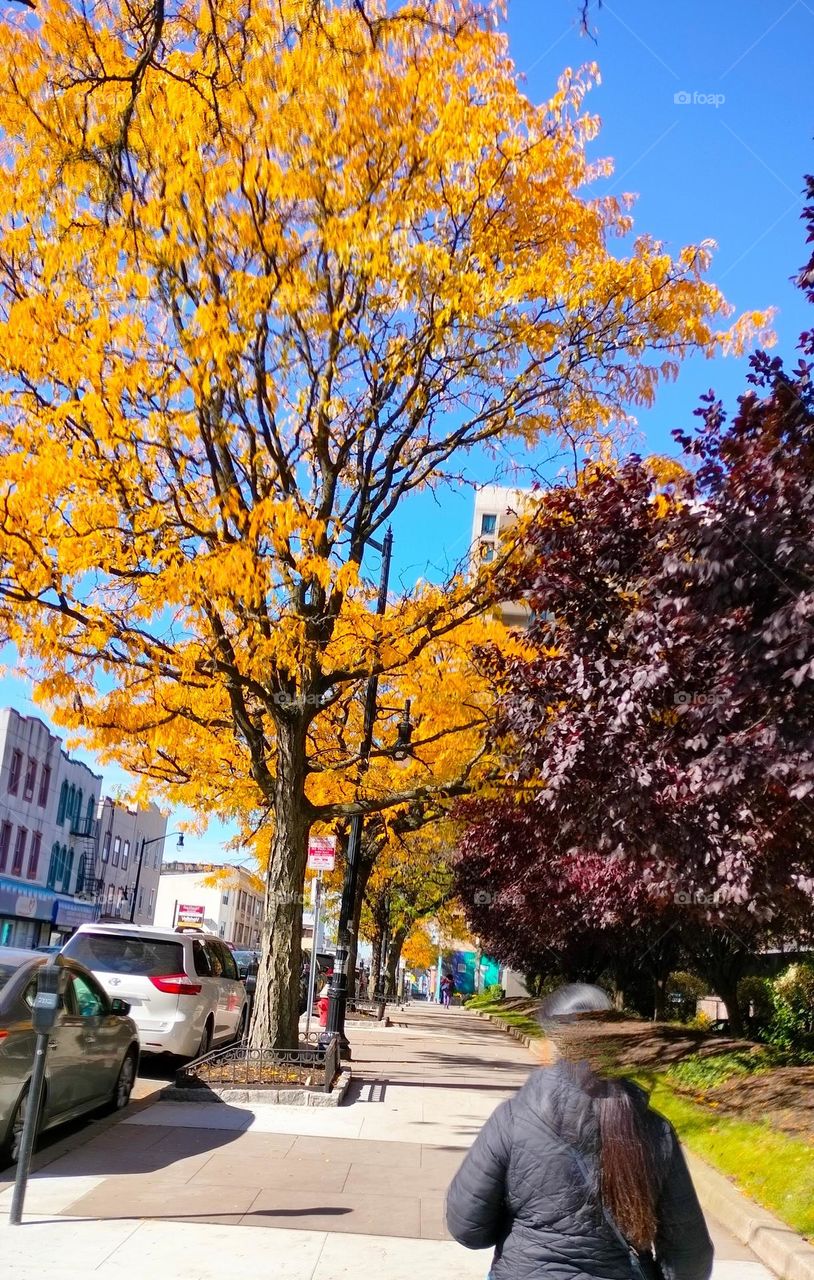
x: 730, y: 170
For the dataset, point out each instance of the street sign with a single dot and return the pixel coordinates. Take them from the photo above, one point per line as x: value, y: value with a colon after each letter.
x: 189, y: 913
x: 321, y: 853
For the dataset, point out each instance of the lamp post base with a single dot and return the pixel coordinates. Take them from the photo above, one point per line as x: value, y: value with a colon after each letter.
x: 337, y: 1005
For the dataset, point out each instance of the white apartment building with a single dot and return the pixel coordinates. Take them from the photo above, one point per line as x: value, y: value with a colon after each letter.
x: 47, y: 831
x: 129, y: 853
x: 232, y: 908
x: 496, y: 510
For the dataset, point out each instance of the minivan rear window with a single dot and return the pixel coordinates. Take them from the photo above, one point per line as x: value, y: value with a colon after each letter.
x: 120, y: 953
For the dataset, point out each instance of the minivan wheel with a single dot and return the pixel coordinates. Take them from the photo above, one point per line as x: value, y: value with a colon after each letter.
x: 206, y: 1040
x: 124, y: 1083
x: 240, y: 1034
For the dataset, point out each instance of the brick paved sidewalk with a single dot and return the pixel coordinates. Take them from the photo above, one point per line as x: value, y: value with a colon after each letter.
x: 199, y: 1191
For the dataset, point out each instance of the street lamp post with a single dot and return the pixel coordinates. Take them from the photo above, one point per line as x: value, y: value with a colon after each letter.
x: 338, y: 991
x: 144, y: 844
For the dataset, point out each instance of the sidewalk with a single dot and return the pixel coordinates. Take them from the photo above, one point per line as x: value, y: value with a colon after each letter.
x: 202, y: 1191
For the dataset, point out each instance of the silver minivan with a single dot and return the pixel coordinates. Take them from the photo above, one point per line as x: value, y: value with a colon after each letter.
x: 183, y: 988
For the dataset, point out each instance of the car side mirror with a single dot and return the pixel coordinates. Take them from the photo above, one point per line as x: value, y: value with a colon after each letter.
x: 120, y: 1008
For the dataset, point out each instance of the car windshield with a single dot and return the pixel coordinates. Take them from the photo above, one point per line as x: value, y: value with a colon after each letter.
x: 116, y: 953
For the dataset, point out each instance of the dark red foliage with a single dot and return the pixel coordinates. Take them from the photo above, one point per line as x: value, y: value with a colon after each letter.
x: 665, y: 728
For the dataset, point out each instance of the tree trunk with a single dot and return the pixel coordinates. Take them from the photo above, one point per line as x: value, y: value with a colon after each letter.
x: 376, y: 962
x: 660, y: 998
x: 721, y: 957
x: 393, y: 957
x: 275, y: 1015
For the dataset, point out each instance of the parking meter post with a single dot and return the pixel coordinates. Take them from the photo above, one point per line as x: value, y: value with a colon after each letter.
x: 313, y: 965
x: 47, y: 1003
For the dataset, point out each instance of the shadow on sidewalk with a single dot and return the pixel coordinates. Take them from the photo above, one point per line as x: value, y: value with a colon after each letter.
x: 148, y: 1148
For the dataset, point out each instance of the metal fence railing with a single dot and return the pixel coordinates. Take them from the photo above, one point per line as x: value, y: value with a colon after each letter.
x: 241, y: 1067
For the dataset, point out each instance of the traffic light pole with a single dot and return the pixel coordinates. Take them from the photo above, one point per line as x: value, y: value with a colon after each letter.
x: 338, y: 991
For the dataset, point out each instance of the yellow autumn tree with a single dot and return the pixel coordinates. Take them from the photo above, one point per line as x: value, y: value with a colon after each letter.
x: 266, y: 268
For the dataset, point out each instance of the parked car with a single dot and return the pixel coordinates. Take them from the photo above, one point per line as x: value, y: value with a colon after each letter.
x: 93, y: 1048
x: 248, y: 962
x: 183, y: 988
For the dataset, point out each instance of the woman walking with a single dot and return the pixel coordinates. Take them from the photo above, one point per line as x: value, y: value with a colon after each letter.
x: 575, y: 1177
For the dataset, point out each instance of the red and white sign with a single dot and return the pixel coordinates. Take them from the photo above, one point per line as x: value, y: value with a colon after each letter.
x: 189, y: 913
x: 321, y: 853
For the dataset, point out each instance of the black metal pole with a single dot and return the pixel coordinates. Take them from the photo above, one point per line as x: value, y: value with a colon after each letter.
x: 338, y: 991
x: 138, y: 877
x: 30, y: 1126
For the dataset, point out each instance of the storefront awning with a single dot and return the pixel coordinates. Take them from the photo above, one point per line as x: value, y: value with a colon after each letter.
x: 69, y: 913
x: 26, y: 901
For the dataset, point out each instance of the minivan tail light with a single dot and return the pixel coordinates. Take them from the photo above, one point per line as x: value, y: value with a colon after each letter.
x: 176, y: 984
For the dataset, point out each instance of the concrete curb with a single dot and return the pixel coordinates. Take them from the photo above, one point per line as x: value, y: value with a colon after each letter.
x: 787, y: 1254
x: 269, y: 1097
x: 528, y: 1041
x: 775, y: 1243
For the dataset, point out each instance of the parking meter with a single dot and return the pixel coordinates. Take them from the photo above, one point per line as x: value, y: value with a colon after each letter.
x: 48, y: 1000
x: 51, y: 983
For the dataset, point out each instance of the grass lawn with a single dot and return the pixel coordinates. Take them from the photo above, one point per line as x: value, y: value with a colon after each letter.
x: 737, y: 1125
x: 772, y: 1168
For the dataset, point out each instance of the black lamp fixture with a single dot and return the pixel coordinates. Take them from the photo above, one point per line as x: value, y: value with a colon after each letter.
x: 404, y: 736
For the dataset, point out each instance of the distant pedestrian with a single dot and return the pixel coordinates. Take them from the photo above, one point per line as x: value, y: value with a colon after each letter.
x: 446, y: 990
x: 576, y: 1176
x: 363, y: 986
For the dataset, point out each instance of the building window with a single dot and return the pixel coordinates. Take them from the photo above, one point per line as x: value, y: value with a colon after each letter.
x: 5, y: 844
x: 140, y: 900
x: 117, y: 844
x: 16, y: 770
x: 63, y: 804
x: 111, y: 889
x: 488, y: 524
x: 30, y: 779
x: 106, y: 847
x: 150, y: 905
x: 45, y: 786
x: 121, y: 902
x: 19, y: 852
x: 488, y: 554
x: 67, y: 869
x: 80, y: 873
x: 55, y: 866
x: 125, y: 855
x: 34, y: 856
x: 76, y: 815
x: 226, y: 899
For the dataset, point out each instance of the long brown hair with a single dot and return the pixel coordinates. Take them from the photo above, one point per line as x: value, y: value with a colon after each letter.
x: 628, y: 1183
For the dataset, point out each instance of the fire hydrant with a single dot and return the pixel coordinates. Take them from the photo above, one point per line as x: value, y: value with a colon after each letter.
x: 322, y: 1006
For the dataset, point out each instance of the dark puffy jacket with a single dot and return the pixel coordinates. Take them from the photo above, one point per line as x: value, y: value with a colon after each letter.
x: 529, y: 1187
